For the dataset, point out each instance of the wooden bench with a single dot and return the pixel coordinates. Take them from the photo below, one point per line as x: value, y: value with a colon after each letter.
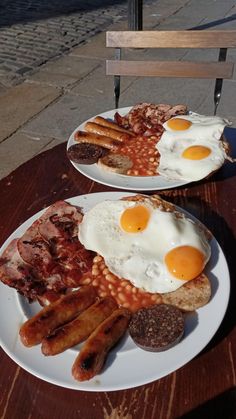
x: 190, y: 39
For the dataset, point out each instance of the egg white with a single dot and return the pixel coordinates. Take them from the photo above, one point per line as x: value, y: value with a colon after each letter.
x: 205, y: 131
x: 139, y: 257
x: 200, y: 122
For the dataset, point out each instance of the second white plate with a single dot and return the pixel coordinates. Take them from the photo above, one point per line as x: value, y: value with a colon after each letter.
x: 136, y: 183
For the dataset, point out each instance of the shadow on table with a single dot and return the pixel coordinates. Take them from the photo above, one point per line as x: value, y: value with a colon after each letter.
x: 222, y: 406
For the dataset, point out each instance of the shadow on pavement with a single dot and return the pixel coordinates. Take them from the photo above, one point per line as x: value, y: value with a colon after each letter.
x: 215, y: 23
x: 22, y: 11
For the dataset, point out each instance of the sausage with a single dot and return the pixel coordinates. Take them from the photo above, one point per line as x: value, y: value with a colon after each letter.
x: 107, y: 131
x: 91, y: 138
x: 106, y: 123
x: 93, y: 354
x: 61, y: 311
x: 78, y: 329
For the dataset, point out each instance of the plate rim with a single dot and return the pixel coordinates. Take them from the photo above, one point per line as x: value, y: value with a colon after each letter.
x: 93, y: 386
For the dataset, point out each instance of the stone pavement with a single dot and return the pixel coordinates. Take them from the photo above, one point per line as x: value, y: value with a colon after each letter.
x: 41, y: 107
x: 32, y: 33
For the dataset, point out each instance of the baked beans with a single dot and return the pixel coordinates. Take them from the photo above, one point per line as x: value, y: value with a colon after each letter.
x: 125, y: 294
x: 142, y: 151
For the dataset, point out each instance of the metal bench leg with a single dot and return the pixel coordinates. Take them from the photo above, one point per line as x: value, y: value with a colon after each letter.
x: 117, y: 80
x: 219, y: 82
x: 117, y: 90
x: 135, y: 15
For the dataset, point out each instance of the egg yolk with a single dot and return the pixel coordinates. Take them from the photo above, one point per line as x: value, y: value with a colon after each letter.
x: 179, y: 124
x: 196, y: 152
x: 135, y: 219
x: 185, y: 262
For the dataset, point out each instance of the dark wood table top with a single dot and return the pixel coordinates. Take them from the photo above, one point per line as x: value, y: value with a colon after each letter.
x: 205, y: 387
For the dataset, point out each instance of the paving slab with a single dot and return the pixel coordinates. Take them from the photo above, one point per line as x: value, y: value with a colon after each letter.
x: 91, y: 95
x: 60, y: 119
x: 64, y: 71
x: 162, y: 10
x: 226, y: 106
x: 198, y: 95
x: 159, y: 90
x: 61, y: 81
x: 21, y: 103
x: 95, y: 47
x: 99, y: 86
x: 20, y: 148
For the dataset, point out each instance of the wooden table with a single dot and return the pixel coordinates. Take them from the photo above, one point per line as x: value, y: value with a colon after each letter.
x: 205, y: 387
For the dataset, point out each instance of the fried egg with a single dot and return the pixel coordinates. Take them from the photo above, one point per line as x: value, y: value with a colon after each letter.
x: 191, y: 147
x: 156, y: 250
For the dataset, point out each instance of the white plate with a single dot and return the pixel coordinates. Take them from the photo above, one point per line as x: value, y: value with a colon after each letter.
x: 127, y: 365
x: 137, y: 183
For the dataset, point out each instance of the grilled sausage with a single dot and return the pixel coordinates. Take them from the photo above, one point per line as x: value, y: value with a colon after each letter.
x: 93, y: 354
x: 78, y: 329
x: 107, y: 131
x: 91, y: 138
x: 106, y: 123
x: 61, y: 311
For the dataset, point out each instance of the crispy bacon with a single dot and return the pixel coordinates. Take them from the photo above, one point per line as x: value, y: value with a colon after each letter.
x: 147, y: 119
x: 60, y: 220
x: 122, y: 121
x: 35, y: 251
x: 48, y: 258
x: 15, y: 273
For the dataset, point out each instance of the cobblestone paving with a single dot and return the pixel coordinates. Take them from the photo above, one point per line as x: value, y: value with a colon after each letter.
x: 35, y: 31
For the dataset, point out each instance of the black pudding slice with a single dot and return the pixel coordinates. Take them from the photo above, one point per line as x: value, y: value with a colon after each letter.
x: 157, y: 328
x: 85, y: 153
